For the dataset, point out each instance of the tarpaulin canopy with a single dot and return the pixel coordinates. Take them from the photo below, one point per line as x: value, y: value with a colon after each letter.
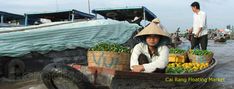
x: 57, y: 16
x: 64, y: 36
x: 11, y: 16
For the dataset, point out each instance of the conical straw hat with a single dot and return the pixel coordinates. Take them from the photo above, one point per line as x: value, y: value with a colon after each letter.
x: 152, y: 29
x: 156, y: 20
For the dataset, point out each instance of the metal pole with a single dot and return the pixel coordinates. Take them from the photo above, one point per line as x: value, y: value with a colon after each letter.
x: 89, y: 6
x: 95, y: 16
x: 25, y: 19
x: 144, y: 17
x: 2, y: 17
x: 73, y: 15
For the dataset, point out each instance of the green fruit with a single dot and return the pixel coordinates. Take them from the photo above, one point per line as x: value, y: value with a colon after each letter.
x: 105, y: 46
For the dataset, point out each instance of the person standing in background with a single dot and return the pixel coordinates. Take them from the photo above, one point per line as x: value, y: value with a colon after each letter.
x: 199, y: 31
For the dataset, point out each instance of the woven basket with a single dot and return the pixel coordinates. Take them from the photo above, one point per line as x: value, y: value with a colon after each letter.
x: 106, y: 59
x: 200, y: 59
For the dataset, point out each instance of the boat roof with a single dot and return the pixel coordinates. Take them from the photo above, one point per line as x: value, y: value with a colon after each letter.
x: 10, y: 16
x: 60, y: 15
x: 58, y: 36
x: 125, y: 13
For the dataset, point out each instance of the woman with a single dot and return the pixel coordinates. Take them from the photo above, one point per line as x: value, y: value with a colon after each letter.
x: 153, y: 46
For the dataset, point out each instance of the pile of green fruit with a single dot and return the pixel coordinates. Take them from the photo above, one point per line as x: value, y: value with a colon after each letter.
x: 113, y: 47
x: 200, y: 52
x: 176, y: 51
x: 175, y: 70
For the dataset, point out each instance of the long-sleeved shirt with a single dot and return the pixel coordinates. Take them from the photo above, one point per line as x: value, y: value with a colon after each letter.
x: 199, y: 21
x: 155, y: 62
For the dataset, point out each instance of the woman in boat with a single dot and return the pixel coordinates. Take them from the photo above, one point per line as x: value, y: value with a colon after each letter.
x: 153, y: 47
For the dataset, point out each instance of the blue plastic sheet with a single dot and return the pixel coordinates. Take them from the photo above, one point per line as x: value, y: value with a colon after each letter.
x: 65, y: 36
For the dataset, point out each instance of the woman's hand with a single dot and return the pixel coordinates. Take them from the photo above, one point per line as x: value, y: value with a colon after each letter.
x: 138, y: 68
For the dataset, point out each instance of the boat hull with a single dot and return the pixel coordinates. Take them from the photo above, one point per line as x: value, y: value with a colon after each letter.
x: 102, y: 78
x: 220, y: 40
x: 113, y: 79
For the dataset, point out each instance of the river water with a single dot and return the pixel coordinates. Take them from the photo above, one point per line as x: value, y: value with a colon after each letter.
x: 223, y: 52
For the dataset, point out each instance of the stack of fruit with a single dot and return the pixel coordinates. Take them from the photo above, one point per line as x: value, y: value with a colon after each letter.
x: 109, y: 55
x: 200, y: 56
x: 177, y: 55
x: 200, y: 52
x: 180, y: 68
x: 113, y: 47
x: 176, y: 51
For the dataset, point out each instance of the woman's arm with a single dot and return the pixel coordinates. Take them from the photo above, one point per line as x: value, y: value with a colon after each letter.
x: 160, y: 63
x: 135, y: 55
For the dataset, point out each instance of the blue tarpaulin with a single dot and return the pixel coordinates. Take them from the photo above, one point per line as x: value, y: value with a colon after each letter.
x: 64, y: 36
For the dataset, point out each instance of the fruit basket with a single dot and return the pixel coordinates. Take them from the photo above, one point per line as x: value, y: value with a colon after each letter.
x: 200, y: 56
x: 177, y: 55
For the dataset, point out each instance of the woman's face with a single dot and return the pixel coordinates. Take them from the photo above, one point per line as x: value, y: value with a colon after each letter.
x: 152, y: 40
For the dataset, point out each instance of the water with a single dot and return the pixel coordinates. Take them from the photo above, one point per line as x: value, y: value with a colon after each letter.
x: 223, y: 52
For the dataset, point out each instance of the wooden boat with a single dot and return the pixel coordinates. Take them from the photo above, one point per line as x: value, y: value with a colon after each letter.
x: 74, y: 76
x: 220, y: 40
x: 59, y: 76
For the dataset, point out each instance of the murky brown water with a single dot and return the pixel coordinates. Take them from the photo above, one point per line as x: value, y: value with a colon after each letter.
x: 29, y: 81
x: 224, y: 53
